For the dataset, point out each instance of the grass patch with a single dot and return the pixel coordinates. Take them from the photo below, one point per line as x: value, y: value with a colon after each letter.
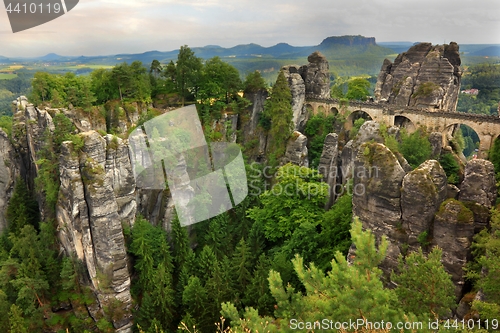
x: 7, y: 76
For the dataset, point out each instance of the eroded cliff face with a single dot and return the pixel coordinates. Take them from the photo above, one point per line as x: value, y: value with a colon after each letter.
x: 425, y: 76
x: 414, y: 209
x: 9, y: 171
x: 95, y: 198
x: 312, y: 79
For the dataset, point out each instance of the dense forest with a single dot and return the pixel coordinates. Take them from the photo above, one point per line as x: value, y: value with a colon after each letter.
x: 274, y: 263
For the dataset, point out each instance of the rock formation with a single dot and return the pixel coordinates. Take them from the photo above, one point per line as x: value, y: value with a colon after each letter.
x: 316, y: 75
x: 87, y: 214
x: 328, y: 166
x: 425, y: 76
x: 296, y: 150
x: 9, y: 171
x: 423, y: 190
x: 298, y: 90
x: 377, y: 197
x: 453, y: 232
x: 313, y: 78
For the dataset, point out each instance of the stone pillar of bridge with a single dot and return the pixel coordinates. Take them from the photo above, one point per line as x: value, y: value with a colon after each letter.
x: 485, y: 142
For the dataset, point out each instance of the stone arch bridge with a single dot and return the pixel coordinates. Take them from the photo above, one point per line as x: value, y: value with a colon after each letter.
x: 486, y: 127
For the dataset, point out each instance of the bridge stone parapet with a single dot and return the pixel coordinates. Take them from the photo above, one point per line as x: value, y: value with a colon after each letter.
x: 487, y: 127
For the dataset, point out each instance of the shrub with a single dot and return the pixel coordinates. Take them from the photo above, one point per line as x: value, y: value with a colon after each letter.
x: 415, y: 147
x: 450, y: 167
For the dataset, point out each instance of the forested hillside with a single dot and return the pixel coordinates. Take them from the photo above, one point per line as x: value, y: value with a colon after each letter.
x: 83, y: 248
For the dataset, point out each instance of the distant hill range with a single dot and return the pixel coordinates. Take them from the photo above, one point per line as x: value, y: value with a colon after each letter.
x: 356, y: 44
x: 348, y: 55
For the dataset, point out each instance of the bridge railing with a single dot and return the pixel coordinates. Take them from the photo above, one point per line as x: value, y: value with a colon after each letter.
x: 400, y: 110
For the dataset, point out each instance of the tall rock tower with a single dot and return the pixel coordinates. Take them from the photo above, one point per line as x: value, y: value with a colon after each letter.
x: 425, y: 76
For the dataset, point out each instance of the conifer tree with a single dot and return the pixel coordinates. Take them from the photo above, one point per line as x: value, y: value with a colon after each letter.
x: 257, y: 294
x: 22, y: 209
x: 347, y: 292
x: 218, y: 237
x: 17, y: 322
x: 424, y: 288
x: 194, y: 299
x: 278, y: 110
x: 241, y: 264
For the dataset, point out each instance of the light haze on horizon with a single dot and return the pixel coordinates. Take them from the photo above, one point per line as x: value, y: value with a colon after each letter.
x: 106, y: 27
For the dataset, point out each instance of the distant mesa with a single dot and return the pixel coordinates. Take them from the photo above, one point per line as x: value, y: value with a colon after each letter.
x: 348, y: 41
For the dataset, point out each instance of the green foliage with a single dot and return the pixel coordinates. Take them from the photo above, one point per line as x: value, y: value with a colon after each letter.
x: 423, y: 239
x: 357, y: 89
x: 425, y: 90
x: 485, y: 271
x: 494, y: 157
x: 335, y: 235
x: 22, y: 209
x: 316, y: 130
x: 219, y: 85
x: 254, y: 82
x: 154, y: 267
x: 346, y: 293
x: 486, y: 78
x: 356, y: 126
x: 278, y: 110
x: 6, y: 124
x: 450, y: 167
x: 424, y: 288
x: 295, y: 201
x: 185, y: 73
x: 415, y: 147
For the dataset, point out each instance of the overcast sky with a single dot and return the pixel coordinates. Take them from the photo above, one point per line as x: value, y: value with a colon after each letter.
x: 102, y: 27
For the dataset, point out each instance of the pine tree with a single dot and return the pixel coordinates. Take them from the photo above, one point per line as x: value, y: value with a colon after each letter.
x: 194, y: 299
x: 257, y: 294
x: 22, y: 209
x: 347, y: 292
x: 424, y: 288
x: 217, y: 236
x: 278, y: 110
x: 4, y: 312
x: 17, y: 322
x: 241, y: 263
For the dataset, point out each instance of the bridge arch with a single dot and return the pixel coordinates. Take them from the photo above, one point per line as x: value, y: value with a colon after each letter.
x: 468, y: 137
x: 310, y: 109
x: 404, y: 122
x: 358, y: 114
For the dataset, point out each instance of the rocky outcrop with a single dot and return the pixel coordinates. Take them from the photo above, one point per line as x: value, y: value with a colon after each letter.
x: 377, y: 197
x: 296, y: 150
x: 328, y: 166
x: 423, y: 190
x: 313, y: 78
x: 453, y: 232
x: 89, y: 222
x: 369, y: 131
x: 118, y: 168
x: 298, y: 90
x: 316, y: 75
x: 478, y: 191
x: 425, y: 76
x: 479, y: 184
x: 436, y: 141
x: 9, y: 171
x: 251, y: 115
